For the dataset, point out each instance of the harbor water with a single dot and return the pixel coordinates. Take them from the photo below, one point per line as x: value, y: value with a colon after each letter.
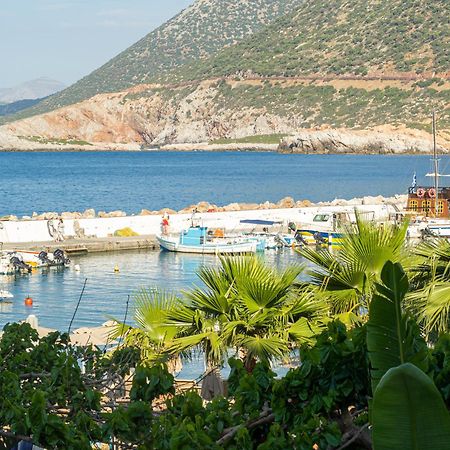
x: 106, y: 181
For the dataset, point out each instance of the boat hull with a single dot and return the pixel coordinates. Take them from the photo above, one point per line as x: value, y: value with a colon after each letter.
x: 207, y: 249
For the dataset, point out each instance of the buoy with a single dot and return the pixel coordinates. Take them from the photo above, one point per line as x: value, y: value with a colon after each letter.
x: 28, y: 301
x: 116, y: 269
x: 77, y: 267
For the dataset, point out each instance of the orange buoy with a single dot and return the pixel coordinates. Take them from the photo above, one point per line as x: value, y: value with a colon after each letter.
x: 28, y: 301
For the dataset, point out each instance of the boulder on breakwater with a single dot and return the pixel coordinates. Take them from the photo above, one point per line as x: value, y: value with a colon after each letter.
x: 206, y: 207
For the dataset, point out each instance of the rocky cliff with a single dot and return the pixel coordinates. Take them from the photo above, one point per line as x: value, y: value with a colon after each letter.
x: 226, y: 110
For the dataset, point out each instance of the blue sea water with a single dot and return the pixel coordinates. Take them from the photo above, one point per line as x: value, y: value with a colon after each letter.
x: 108, y: 181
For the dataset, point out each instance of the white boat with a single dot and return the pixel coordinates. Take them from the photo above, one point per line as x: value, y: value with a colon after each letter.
x: 5, y: 295
x: 197, y: 240
x: 40, y: 259
x: 6, y: 267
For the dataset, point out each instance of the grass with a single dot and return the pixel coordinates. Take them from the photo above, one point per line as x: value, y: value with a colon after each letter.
x: 42, y: 140
x: 257, y: 139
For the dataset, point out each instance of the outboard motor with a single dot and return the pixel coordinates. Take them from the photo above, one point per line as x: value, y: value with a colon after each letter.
x: 20, y: 265
x: 319, y: 239
x: 43, y: 257
x: 60, y: 257
x: 299, y: 238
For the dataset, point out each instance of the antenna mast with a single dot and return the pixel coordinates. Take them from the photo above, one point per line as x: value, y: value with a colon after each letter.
x: 436, y: 168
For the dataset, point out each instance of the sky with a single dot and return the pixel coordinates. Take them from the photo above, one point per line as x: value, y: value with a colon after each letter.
x: 67, y: 39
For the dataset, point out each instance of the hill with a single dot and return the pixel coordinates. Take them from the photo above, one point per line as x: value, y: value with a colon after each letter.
x: 30, y: 90
x: 360, y: 65
x: 338, y: 37
x: 197, y: 32
x: 12, y: 108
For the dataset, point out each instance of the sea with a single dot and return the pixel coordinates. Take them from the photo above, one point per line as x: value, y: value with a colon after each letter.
x: 66, y: 181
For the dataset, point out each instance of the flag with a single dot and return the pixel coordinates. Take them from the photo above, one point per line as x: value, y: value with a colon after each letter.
x: 414, y: 180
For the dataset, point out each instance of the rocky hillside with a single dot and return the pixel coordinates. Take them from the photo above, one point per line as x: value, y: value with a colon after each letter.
x: 338, y: 37
x: 374, y: 66
x: 197, y: 32
x: 224, y: 112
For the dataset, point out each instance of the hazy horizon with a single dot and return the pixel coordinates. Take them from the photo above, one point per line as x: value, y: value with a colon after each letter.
x: 67, y: 39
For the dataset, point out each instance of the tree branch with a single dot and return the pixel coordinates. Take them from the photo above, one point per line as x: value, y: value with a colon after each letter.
x: 265, y: 418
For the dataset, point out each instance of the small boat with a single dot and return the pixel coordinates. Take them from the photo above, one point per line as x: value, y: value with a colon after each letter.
x: 40, y: 259
x: 5, y: 295
x: 6, y: 266
x: 429, y: 205
x: 196, y: 239
x: 323, y: 230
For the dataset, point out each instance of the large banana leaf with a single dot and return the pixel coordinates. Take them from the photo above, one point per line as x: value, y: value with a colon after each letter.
x: 392, y: 338
x: 408, y: 412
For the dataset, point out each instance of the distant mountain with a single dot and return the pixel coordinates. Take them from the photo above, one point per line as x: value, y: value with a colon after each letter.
x: 12, y: 108
x: 30, y: 90
x: 196, y: 33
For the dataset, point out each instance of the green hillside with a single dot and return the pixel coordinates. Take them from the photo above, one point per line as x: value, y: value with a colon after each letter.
x: 197, y: 32
x: 337, y: 37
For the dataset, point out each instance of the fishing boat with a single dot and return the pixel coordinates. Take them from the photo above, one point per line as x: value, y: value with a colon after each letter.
x: 196, y: 239
x: 324, y: 229
x: 428, y: 205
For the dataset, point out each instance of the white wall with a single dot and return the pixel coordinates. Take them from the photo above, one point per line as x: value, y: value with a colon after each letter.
x: 37, y: 230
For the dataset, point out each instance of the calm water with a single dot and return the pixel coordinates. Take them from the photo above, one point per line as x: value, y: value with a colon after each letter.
x: 131, y: 181
x: 56, y: 292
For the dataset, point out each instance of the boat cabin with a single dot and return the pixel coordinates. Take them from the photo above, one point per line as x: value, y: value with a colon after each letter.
x: 422, y: 200
x: 194, y: 236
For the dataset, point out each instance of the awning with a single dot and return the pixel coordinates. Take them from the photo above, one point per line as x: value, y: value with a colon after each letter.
x: 260, y: 222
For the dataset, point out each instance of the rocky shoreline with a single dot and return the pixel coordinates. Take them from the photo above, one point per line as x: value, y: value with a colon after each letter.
x: 205, y: 207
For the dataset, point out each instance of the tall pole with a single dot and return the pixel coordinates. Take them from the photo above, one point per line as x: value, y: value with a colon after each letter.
x: 436, y: 168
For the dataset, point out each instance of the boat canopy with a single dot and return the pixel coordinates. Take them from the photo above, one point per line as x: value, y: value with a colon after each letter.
x: 260, y: 222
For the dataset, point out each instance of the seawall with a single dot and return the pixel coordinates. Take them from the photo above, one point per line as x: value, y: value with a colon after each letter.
x: 97, y: 234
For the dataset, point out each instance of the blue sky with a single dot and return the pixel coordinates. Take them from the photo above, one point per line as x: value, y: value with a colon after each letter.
x: 67, y: 39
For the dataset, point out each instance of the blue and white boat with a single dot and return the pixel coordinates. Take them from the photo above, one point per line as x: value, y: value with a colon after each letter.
x: 198, y: 240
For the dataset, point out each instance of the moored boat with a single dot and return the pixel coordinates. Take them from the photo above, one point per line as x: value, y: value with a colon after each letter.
x: 428, y: 205
x: 197, y: 240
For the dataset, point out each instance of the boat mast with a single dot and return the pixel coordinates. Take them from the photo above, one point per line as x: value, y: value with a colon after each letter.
x: 436, y: 168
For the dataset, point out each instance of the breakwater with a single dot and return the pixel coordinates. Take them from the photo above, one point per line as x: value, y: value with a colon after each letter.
x: 102, y: 231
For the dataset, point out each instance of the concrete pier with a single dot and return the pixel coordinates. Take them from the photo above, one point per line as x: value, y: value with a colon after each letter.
x: 91, y: 245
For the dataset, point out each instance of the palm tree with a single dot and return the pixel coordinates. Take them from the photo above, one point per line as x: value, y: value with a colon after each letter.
x: 154, y: 330
x: 430, y: 279
x: 259, y: 311
x: 244, y: 305
x: 346, y: 278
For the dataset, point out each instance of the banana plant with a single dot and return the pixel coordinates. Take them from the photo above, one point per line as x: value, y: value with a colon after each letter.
x: 393, y: 338
x: 408, y: 411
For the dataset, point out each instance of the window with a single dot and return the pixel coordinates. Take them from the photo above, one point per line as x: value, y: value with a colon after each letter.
x: 413, y: 205
x: 321, y: 218
x: 440, y: 207
x: 426, y: 206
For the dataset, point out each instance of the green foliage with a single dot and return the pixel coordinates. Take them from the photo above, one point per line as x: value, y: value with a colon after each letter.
x: 334, y: 375
x: 408, y: 412
x: 151, y: 382
x: 347, y: 278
